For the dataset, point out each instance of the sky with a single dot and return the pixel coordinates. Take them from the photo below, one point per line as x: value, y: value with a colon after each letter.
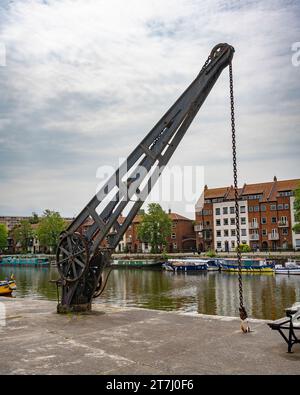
x: 83, y: 81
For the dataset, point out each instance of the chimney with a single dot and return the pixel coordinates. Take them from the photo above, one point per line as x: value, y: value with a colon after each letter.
x: 275, y: 179
x: 169, y: 211
x: 205, y: 187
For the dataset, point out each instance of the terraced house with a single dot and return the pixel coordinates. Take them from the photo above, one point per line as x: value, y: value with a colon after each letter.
x: 266, y: 217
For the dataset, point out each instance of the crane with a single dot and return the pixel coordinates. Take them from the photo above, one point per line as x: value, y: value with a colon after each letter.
x: 81, y: 258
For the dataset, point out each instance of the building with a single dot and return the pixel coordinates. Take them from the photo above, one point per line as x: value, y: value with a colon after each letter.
x: 182, y: 237
x: 266, y: 217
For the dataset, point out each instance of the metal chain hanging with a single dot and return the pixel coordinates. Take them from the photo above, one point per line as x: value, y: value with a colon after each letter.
x: 243, y: 314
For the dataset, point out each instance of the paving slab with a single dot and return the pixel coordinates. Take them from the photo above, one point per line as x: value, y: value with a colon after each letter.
x: 114, y: 340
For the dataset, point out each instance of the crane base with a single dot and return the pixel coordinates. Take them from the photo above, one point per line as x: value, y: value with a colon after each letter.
x: 74, y: 308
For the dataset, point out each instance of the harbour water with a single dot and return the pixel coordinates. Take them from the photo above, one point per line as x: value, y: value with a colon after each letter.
x: 265, y: 295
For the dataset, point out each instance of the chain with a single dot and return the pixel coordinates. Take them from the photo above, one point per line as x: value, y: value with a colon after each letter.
x: 243, y: 313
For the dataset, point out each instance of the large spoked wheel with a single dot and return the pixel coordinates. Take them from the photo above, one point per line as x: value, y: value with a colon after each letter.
x: 72, y: 257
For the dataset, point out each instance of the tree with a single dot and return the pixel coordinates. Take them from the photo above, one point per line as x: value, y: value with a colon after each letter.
x: 296, y: 227
x: 3, y: 236
x: 34, y: 219
x: 244, y: 248
x: 155, y: 227
x: 23, y: 234
x: 49, y: 229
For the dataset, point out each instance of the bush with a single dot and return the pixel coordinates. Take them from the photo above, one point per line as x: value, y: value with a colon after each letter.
x: 211, y: 253
x: 244, y: 248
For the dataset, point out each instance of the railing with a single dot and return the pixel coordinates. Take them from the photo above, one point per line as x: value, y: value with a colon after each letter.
x: 283, y: 224
x: 253, y: 225
x: 198, y: 228
x: 254, y: 237
x: 273, y: 236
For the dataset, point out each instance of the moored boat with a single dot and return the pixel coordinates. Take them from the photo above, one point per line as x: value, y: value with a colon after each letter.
x: 254, y: 265
x: 137, y: 264
x: 185, y: 265
x: 7, y: 287
x: 24, y: 261
x: 290, y: 267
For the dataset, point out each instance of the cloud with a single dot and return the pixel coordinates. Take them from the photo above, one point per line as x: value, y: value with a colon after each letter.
x: 86, y: 80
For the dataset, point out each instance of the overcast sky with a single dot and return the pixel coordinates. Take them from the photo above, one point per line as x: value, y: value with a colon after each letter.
x: 84, y: 81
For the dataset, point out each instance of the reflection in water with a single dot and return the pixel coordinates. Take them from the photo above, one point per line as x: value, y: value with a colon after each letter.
x: 265, y: 295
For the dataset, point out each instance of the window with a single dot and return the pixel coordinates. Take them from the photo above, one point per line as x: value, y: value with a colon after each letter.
x: 244, y: 242
x: 225, y: 210
x: 206, y: 212
x: 244, y: 232
x: 173, y: 235
x: 250, y: 209
x: 285, y: 231
x: 273, y: 220
x: 264, y: 232
x: 219, y: 244
x: 207, y: 223
x: 232, y: 221
x: 232, y: 232
x: 263, y: 220
x: 286, y: 206
x: 173, y: 225
x: 218, y: 211
x: 232, y: 210
x: 243, y: 220
x: 225, y: 221
x: 256, y: 208
x: 263, y: 207
x: 273, y: 207
x: 219, y: 233
x: 243, y: 209
x: 226, y: 233
x: 218, y: 222
x: 232, y: 244
x: 280, y: 206
x: 175, y: 246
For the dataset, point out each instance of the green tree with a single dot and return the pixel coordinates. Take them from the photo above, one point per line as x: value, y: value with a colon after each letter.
x: 34, y: 219
x: 50, y: 226
x: 23, y: 234
x: 244, y: 248
x: 155, y: 227
x: 296, y: 227
x: 3, y: 237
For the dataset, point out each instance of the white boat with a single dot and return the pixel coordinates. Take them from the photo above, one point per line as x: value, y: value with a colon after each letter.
x: 290, y: 267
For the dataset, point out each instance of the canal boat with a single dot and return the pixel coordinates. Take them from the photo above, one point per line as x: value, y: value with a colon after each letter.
x: 24, y: 261
x: 290, y: 267
x: 137, y: 264
x: 254, y: 265
x: 7, y: 287
x: 185, y: 265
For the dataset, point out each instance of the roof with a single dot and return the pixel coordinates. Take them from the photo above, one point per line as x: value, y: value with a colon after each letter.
x: 269, y: 190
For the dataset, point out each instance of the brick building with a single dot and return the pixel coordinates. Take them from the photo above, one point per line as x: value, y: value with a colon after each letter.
x: 182, y: 237
x: 266, y: 217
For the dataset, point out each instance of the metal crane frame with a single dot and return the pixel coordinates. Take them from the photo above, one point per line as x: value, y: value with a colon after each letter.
x: 80, y: 257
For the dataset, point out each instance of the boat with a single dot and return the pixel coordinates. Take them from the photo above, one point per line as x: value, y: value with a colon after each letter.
x: 290, y: 267
x: 137, y: 264
x: 254, y: 265
x: 185, y: 265
x: 7, y: 287
x: 24, y: 261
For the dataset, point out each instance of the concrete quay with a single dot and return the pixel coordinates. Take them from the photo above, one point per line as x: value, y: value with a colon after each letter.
x: 114, y: 340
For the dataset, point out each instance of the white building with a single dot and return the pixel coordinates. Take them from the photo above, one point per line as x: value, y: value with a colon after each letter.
x: 295, y: 236
x: 224, y: 225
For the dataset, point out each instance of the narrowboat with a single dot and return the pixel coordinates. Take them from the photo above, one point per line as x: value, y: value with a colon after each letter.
x: 185, y: 265
x: 137, y: 264
x: 23, y: 261
x: 254, y: 265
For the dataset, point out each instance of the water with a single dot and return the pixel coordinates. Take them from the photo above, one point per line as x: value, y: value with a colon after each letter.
x: 265, y: 295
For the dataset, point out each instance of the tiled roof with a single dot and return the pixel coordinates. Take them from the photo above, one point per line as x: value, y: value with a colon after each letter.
x: 269, y: 190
